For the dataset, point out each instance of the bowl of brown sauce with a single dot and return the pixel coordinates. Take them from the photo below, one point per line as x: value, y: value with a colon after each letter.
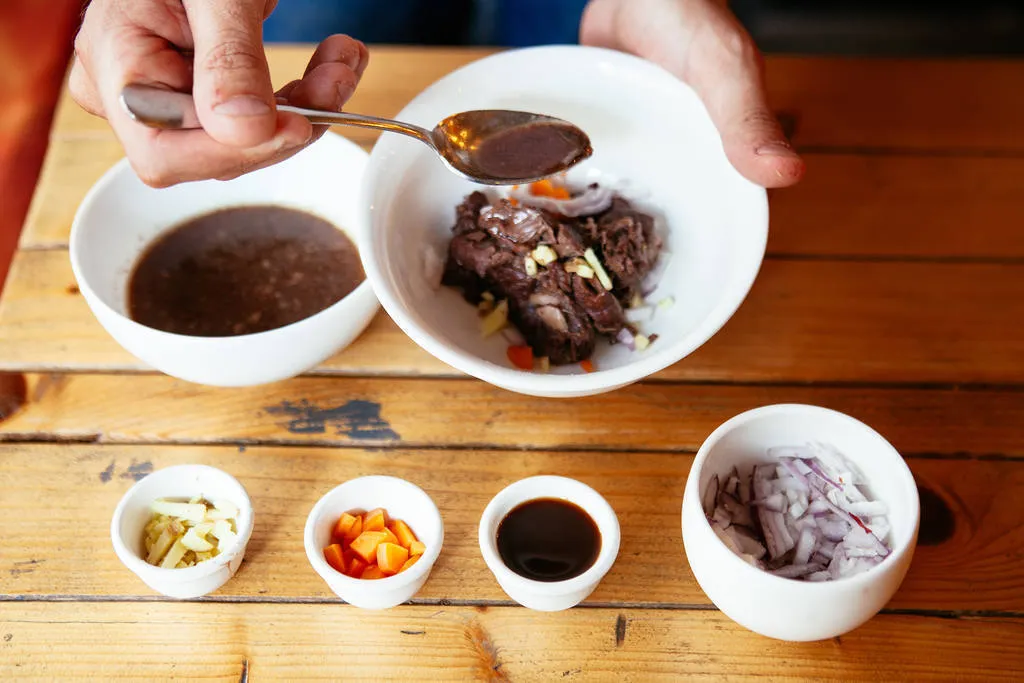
x: 231, y: 283
x: 549, y: 541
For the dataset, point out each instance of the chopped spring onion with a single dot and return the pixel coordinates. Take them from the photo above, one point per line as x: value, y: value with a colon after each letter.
x: 544, y: 255
x: 530, y: 265
x: 580, y: 267
x: 495, y: 320
x: 599, y: 270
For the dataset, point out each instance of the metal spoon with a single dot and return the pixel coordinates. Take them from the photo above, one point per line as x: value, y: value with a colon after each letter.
x: 492, y: 147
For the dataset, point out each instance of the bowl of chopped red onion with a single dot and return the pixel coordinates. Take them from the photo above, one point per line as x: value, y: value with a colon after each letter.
x: 581, y: 283
x: 799, y: 522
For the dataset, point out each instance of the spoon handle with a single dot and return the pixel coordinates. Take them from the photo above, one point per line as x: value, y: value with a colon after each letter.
x: 171, y: 110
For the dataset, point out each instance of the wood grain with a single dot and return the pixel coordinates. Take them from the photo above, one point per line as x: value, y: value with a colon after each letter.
x: 802, y: 322
x: 469, y: 414
x: 848, y: 205
x: 328, y: 642
x: 58, y: 497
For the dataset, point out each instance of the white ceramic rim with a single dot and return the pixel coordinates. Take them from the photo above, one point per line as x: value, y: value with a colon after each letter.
x: 774, y: 409
x: 139, y: 566
x: 599, y: 380
x: 330, y: 574
x: 553, y: 486
x: 123, y: 166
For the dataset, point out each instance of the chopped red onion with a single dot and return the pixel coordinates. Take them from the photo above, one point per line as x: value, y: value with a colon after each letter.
x: 803, y: 518
x: 653, y: 278
x: 433, y: 267
x: 640, y: 314
x: 513, y: 336
x: 626, y: 338
x: 592, y: 200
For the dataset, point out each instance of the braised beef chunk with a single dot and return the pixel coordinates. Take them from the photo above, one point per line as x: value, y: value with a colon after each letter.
x: 629, y: 245
x: 559, y: 313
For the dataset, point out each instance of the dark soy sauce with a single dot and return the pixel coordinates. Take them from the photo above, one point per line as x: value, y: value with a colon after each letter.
x: 548, y: 539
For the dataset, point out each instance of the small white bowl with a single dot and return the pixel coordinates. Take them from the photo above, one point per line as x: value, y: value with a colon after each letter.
x: 402, y: 500
x: 652, y: 138
x: 549, y: 596
x: 784, y: 608
x: 121, y: 216
x: 180, y: 481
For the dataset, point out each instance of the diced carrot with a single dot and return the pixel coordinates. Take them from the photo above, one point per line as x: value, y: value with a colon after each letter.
x: 335, y: 558
x: 356, y: 567
x: 392, y: 538
x: 521, y: 357
x: 587, y: 365
x: 546, y: 188
x: 354, y: 531
x: 365, y: 545
x: 342, y: 527
x: 514, y: 201
x: 391, y: 557
x: 408, y: 563
x: 373, y: 572
x: 403, y: 532
x: 375, y: 520
x: 416, y: 548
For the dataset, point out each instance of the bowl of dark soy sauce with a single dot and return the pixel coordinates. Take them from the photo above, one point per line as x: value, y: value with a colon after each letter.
x: 549, y: 541
x: 234, y: 283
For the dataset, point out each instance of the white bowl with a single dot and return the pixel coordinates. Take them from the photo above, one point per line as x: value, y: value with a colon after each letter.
x: 120, y: 216
x: 180, y: 481
x: 549, y: 596
x: 402, y: 500
x: 649, y: 131
x: 784, y: 608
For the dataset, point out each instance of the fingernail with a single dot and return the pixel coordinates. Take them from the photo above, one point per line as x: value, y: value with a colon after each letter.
x: 775, y: 149
x: 244, y: 105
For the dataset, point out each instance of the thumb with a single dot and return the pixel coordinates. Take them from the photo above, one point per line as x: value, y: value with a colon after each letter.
x: 753, y: 139
x: 231, y: 80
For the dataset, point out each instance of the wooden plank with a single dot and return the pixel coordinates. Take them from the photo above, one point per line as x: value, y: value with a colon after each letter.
x: 963, y: 105
x: 848, y: 205
x: 971, y: 106
x: 57, y: 500
x: 802, y: 322
x: 326, y: 642
x: 902, y: 206
x: 470, y: 414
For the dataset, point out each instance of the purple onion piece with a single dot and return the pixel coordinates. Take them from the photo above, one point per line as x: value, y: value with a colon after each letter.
x: 626, y: 338
x: 795, y: 571
x: 710, y: 496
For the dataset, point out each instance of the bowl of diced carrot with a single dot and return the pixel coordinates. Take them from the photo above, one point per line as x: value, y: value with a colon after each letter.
x: 374, y: 540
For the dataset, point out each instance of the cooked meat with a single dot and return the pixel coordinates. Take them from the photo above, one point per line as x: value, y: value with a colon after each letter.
x: 559, y: 313
x: 629, y: 246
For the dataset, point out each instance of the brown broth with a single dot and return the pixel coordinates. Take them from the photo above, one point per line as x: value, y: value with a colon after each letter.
x: 548, y: 539
x: 241, y: 271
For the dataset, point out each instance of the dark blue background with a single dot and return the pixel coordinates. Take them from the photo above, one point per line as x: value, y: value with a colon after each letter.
x: 510, y: 23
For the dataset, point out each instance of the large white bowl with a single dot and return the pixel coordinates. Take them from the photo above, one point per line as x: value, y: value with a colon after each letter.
x: 121, y: 216
x: 784, y: 608
x: 649, y: 132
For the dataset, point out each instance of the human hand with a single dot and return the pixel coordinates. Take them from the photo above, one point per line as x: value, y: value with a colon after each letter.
x: 215, y: 51
x: 701, y: 42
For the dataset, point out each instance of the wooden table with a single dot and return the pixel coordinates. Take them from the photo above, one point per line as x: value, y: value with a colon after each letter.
x: 893, y: 290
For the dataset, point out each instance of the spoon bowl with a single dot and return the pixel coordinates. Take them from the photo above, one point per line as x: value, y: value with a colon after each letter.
x: 486, y: 146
